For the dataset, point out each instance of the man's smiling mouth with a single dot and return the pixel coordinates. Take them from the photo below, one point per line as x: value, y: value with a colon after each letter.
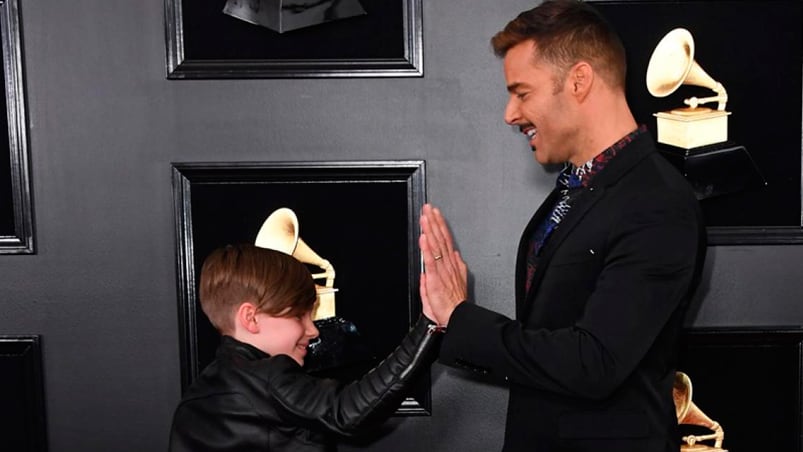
x: 530, y: 131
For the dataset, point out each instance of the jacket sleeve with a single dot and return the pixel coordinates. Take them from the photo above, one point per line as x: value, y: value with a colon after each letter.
x: 349, y: 409
x: 648, y: 268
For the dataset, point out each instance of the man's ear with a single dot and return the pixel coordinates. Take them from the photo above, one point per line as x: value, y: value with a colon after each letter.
x: 580, y: 80
x: 247, y: 317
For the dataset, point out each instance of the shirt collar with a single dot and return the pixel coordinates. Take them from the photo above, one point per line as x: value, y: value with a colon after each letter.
x: 580, y: 176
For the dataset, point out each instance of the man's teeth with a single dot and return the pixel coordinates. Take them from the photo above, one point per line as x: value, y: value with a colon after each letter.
x: 531, y: 133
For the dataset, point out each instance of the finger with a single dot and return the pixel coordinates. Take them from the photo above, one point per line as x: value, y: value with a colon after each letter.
x: 426, y: 307
x: 461, y: 265
x: 436, y: 228
x: 433, y: 246
x: 430, y: 248
x: 446, y: 273
x: 450, y: 277
x: 428, y: 223
x: 427, y: 253
x: 423, y: 245
x: 422, y: 289
x: 457, y: 274
x: 440, y: 241
x: 439, y: 274
x: 463, y: 271
x: 444, y: 277
x: 442, y: 230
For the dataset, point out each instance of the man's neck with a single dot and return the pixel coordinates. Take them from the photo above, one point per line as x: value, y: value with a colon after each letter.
x: 607, y: 122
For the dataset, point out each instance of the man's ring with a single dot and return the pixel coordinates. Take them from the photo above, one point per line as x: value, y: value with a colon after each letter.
x: 438, y: 257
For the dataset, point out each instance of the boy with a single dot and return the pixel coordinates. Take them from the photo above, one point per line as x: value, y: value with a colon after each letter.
x: 255, y: 396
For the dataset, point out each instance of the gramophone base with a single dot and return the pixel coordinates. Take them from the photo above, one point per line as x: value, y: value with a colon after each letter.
x: 715, y: 170
x: 700, y: 448
x: 689, y: 131
x: 325, y: 307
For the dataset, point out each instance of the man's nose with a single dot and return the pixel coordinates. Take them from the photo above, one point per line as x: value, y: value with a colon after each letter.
x: 512, y: 111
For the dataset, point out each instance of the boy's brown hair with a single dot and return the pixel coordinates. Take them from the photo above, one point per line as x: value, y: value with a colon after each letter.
x: 278, y: 284
x: 566, y: 32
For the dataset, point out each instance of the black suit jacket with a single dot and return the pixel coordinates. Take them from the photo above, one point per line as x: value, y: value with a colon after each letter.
x: 591, y: 358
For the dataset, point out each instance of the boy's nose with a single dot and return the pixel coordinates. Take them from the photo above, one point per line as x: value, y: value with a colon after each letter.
x: 312, y: 330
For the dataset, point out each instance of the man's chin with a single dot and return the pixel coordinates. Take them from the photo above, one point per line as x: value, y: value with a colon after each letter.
x: 540, y: 157
x: 547, y: 163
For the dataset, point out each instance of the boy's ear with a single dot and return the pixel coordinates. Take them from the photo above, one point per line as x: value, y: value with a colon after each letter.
x: 247, y: 317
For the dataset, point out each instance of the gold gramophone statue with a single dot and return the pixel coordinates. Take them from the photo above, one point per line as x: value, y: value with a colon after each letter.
x: 280, y: 232
x: 672, y: 64
x: 696, y: 137
x: 339, y: 348
x: 688, y: 413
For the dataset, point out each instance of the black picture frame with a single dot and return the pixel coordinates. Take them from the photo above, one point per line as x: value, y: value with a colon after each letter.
x: 22, y: 408
x: 16, y: 215
x: 205, y: 43
x: 754, y: 49
x: 750, y: 380
x: 361, y: 216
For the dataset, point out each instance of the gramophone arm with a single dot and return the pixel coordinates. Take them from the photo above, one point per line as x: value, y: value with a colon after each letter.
x: 721, y: 97
x: 718, y: 436
x: 328, y: 273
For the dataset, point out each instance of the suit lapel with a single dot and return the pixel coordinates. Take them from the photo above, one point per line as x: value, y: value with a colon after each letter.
x: 578, y: 210
x: 625, y: 161
x: 521, y: 258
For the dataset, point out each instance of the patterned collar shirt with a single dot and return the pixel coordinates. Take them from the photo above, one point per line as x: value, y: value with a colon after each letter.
x: 571, y: 182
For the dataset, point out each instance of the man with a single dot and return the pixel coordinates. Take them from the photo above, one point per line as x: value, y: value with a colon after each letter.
x: 605, y: 267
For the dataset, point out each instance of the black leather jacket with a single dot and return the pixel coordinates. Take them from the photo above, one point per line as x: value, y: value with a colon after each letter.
x: 247, y: 400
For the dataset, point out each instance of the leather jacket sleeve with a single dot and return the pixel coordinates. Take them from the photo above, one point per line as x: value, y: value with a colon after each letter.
x: 346, y: 409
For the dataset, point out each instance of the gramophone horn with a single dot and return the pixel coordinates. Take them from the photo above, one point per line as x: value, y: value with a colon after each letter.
x: 681, y: 392
x: 689, y: 413
x: 672, y: 64
x: 280, y: 232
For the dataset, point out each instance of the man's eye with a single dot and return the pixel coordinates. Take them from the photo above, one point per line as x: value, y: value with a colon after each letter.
x: 521, y: 96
